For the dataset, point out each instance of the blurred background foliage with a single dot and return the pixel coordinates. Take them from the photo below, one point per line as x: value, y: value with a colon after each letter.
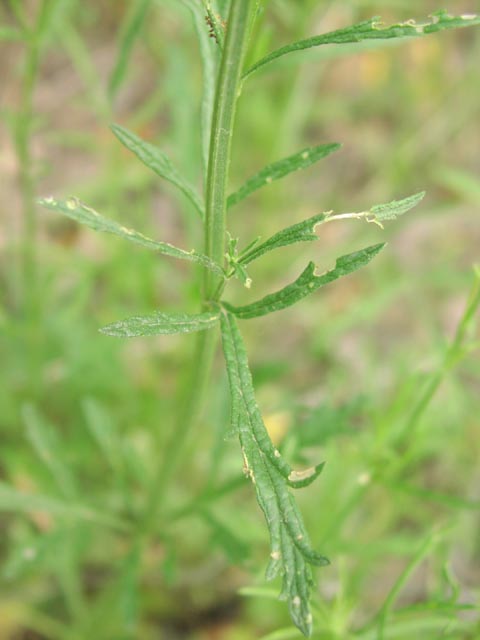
x: 362, y: 375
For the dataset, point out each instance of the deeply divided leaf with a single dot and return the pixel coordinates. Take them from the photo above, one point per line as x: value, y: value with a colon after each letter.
x: 372, y: 30
x: 306, y: 283
x: 281, y: 168
x: 159, y: 162
x: 161, y: 323
x: 291, y: 552
x: 80, y: 212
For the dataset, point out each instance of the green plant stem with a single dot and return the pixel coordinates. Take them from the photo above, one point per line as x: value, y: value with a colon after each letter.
x: 422, y: 552
x: 454, y: 353
x: 227, y: 91
x: 194, y: 391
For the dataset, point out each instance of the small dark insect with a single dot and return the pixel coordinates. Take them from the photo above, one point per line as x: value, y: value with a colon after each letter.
x: 213, y: 22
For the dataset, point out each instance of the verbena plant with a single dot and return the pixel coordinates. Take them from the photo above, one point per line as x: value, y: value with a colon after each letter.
x: 224, y: 258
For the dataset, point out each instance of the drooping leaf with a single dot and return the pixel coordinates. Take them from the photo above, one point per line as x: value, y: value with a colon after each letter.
x: 300, y: 160
x: 306, y: 283
x: 158, y: 162
x: 372, y: 30
x: 291, y: 552
x: 129, y: 33
x: 160, y: 323
x: 391, y: 210
x: 80, y: 212
x: 300, y: 232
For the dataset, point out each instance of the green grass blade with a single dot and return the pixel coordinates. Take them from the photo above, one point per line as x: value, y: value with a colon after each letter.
x: 161, y: 323
x: 80, y: 212
x: 104, y: 433
x: 15, y: 501
x: 291, y: 552
x: 371, y: 30
x: 48, y: 449
x: 129, y: 33
x: 300, y: 160
x: 306, y: 283
x: 156, y: 160
x: 300, y: 232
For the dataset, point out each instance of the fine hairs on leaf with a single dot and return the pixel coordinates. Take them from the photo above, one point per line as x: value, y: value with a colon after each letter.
x: 160, y: 323
x: 224, y: 41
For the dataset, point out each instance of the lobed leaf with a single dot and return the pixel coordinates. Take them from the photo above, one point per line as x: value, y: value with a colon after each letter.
x: 160, y: 323
x: 80, y: 212
x: 392, y: 210
x: 158, y: 162
x: 306, y: 283
x: 300, y: 160
x: 300, y: 232
x: 291, y: 552
x: 372, y: 30
x: 129, y: 33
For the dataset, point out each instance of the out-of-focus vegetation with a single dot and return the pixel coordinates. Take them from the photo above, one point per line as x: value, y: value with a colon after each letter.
x: 377, y: 375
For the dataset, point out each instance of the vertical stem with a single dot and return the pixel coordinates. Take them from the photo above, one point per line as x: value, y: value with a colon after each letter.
x: 227, y: 91
x: 196, y: 383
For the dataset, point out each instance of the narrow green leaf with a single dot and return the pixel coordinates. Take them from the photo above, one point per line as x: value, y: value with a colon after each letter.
x: 160, y: 323
x: 372, y: 30
x: 158, y: 162
x: 392, y: 210
x: 291, y: 552
x: 300, y: 232
x: 100, y: 424
x: 306, y: 283
x: 11, y: 499
x: 48, y: 448
x: 301, y: 160
x: 226, y: 538
x: 129, y: 33
x: 80, y: 212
